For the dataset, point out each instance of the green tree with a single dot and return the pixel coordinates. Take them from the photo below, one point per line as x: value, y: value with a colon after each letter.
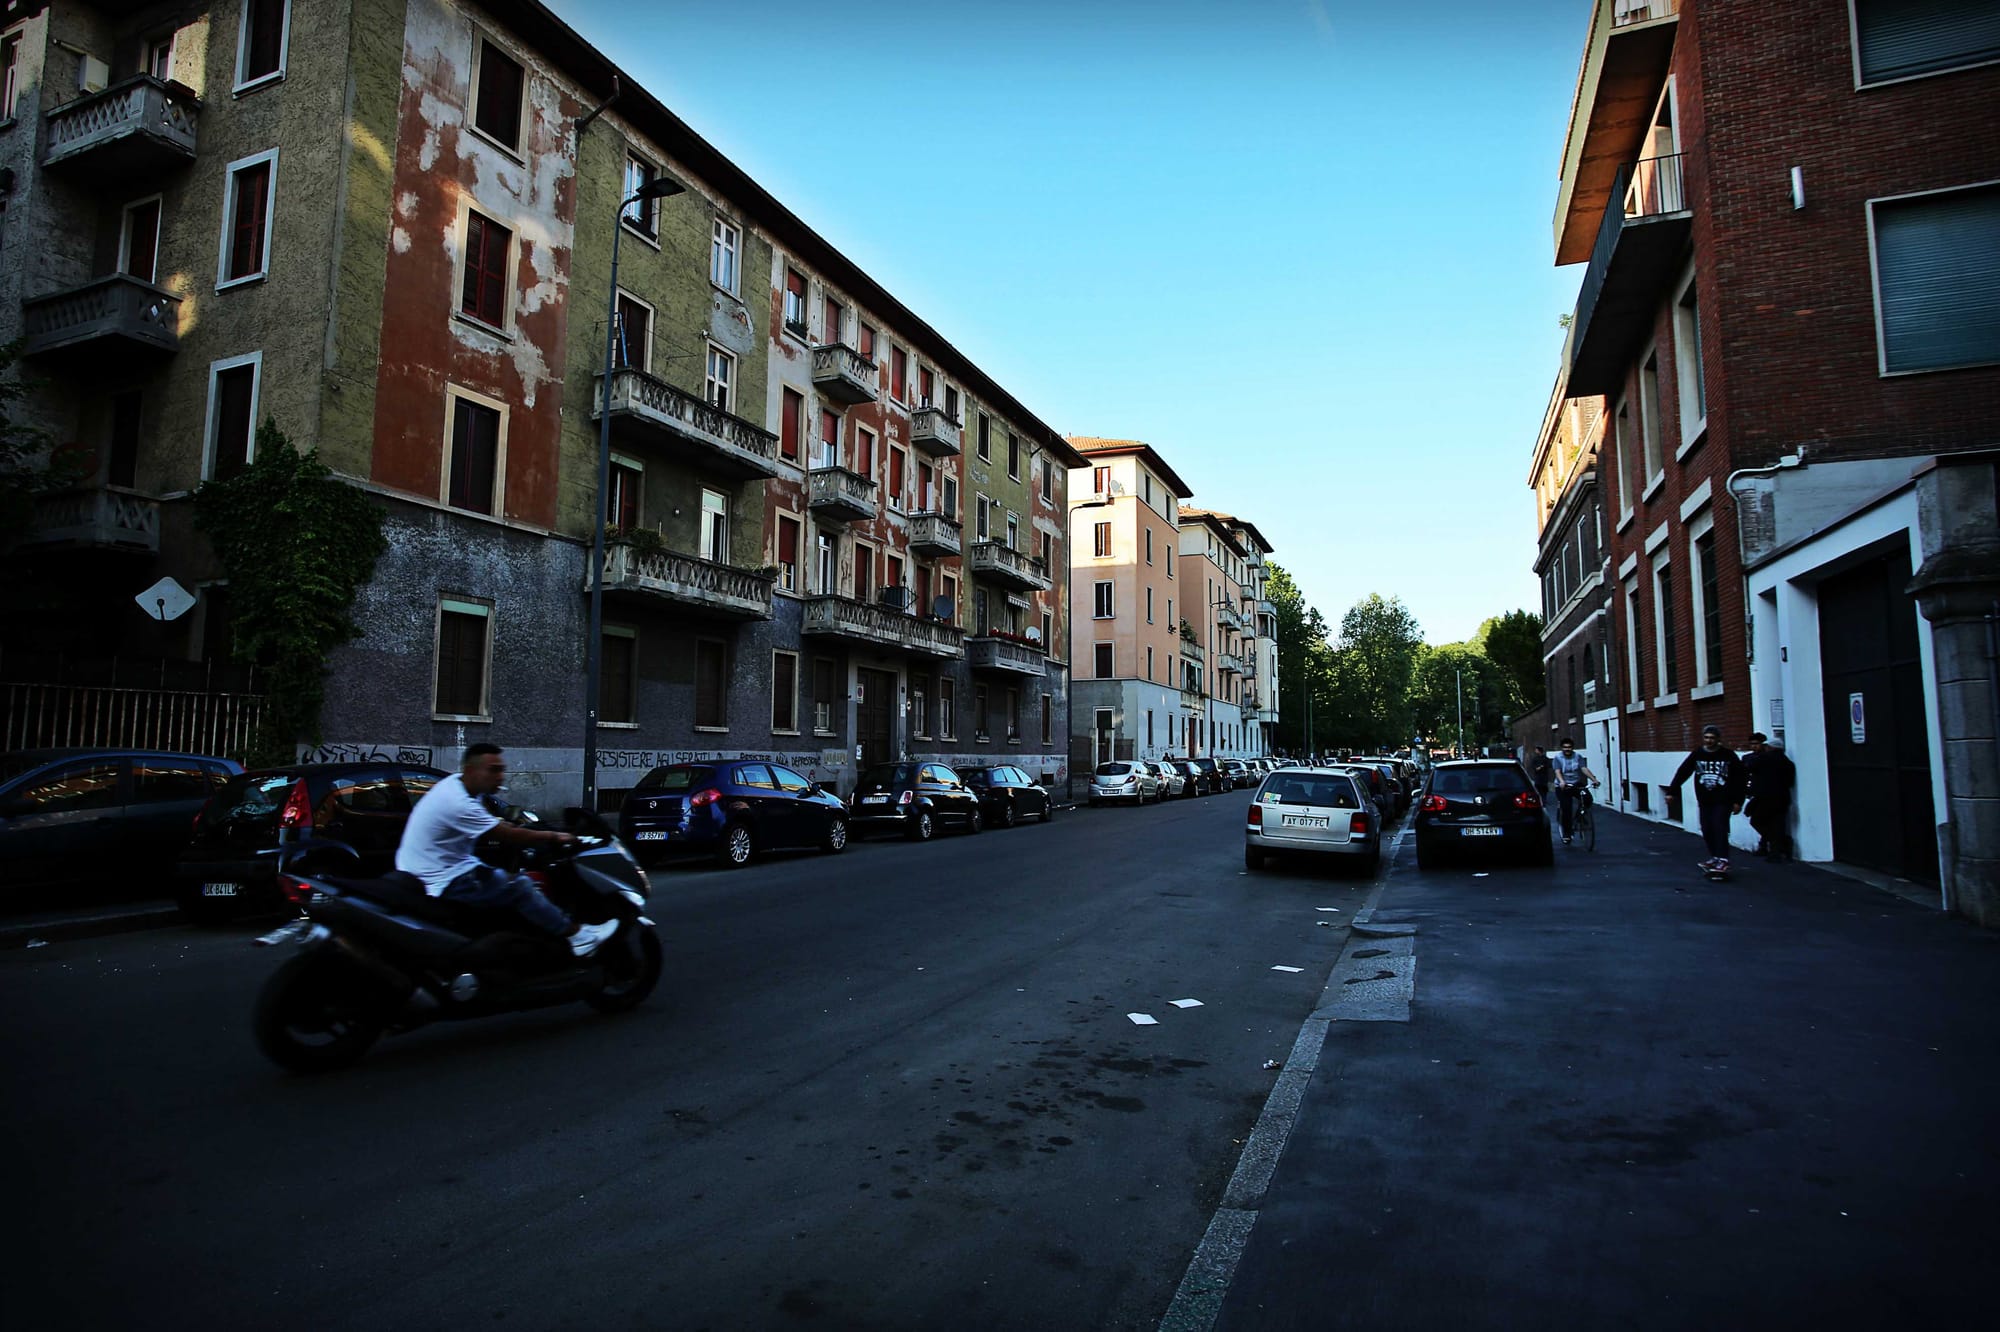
x: 298, y: 544
x: 1304, y: 660
x: 1380, y: 642
x: 1513, y: 642
x: 27, y: 467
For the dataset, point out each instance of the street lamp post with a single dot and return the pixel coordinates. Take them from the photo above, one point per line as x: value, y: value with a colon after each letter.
x: 660, y: 187
x: 1460, y: 673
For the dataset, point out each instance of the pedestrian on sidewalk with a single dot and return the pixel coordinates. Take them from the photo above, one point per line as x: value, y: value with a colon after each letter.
x: 1718, y: 793
x: 1772, y: 775
x: 1539, y: 772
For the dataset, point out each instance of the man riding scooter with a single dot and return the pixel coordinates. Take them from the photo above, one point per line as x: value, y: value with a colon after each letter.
x: 440, y: 842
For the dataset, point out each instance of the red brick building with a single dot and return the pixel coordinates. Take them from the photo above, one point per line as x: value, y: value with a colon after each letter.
x: 1791, y: 220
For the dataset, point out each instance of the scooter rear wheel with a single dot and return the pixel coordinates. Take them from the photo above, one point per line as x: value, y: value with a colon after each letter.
x: 628, y: 981
x: 312, y: 1015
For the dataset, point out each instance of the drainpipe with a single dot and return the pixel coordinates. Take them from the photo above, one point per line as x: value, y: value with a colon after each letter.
x: 1796, y: 458
x: 584, y: 124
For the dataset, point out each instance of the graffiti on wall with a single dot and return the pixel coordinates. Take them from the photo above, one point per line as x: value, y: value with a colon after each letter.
x: 413, y: 755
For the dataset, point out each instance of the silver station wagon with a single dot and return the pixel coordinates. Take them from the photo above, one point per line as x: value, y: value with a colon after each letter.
x: 1313, y: 811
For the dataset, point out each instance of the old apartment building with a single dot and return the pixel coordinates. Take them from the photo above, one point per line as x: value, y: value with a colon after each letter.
x: 1795, y: 339
x: 388, y: 226
x: 1580, y: 687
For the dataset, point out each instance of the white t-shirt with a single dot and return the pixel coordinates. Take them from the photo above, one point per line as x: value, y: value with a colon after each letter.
x: 437, y: 842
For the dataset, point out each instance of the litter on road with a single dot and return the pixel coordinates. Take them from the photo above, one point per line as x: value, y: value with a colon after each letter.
x: 1143, y: 1019
x: 1288, y: 968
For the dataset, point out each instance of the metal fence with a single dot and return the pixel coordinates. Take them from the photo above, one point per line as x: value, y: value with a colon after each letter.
x: 48, y: 715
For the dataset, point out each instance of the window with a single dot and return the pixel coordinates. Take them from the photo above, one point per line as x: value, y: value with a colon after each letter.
x: 899, y: 374
x: 1937, y: 278
x: 947, y: 708
x: 866, y: 343
x: 618, y: 684
x: 1049, y: 631
x: 864, y: 570
x: 715, y: 526
x: 1663, y: 621
x: 826, y: 564
x: 1622, y: 434
x: 1649, y: 417
x: 1902, y: 39
x: 823, y: 696
x: 261, y: 41
x: 920, y: 713
x: 892, y: 572
x: 232, y: 413
x: 1149, y: 545
x: 497, y: 81
x: 621, y: 506
x: 1102, y: 652
x: 1013, y: 456
x: 1688, y: 375
x: 791, y: 423
x: 949, y: 484
x: 1149, y: 605
x: 829, y: 439
x: 1101, y: 605
x: 1101, y: 540
x: 1708, y: 615
x: 980, y: 624
x: 926, y: 385
x: 1013, y: 712
x: 951, y: 403
x: 1170, y: 611
x: 834, y: 318
x: 642, y: 215
x: 246, y: 219
x: 864, y: 452
x: 983, y: 527
x: 897, y: 461
x: 985, y: 438
x: 1149, y: 728
x: 633, y: 348
x: 10, y: 74
x: 1170, y: 570
x: 718, y: 386
x: 795, y: 302
x: 982, y: 721
x: 139, y: 239
x: 785, y: 692
x: 950, y: 584
x: 788, y: 553
x: 1013, y: 532
x: 483, y: 292
x: 1048, y: 719
x: 1149, y: 663
x: 478, y: 434
x: 1048, y: 551
x: 724, y: 247
x: 463, y: 637
x: 711, y: 684
x: 86, y: 785
x: 1632, y: 639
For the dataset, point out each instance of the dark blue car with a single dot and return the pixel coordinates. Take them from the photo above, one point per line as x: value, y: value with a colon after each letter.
x: 732, y: 809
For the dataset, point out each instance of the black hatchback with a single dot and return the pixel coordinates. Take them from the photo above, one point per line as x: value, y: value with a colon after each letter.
x: 1008, y: 795
x: 1481, y: 805
x: 916, y: 799
x: 231, y: 863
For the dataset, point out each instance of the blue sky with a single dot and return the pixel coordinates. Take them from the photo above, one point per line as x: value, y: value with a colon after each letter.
x: 1302, y: 247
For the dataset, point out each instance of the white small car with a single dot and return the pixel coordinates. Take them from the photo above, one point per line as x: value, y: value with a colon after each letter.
x: 1315, y: 811
x: 1123, y: 779
x: 1172, y: 784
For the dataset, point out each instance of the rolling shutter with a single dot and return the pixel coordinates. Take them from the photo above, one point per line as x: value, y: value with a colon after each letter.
x: 1937, y: 261
x: 1901, y: 38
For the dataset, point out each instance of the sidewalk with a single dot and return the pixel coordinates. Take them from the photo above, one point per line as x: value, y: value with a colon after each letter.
x: 1626, y: 1096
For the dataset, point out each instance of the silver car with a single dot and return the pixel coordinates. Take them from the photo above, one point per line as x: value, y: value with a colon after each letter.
x: 1123, y: 779
x: 1172, y: 784
x: 1314, y: 811
x: 1238, y: 773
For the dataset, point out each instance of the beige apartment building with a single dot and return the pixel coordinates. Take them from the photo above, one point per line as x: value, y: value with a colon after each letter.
x: 1216, y: 571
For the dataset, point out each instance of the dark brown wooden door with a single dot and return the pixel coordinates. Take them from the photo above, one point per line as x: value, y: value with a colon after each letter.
x: 877, y: 734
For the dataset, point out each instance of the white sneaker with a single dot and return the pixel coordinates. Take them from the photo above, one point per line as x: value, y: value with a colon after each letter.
x: 584, y: 942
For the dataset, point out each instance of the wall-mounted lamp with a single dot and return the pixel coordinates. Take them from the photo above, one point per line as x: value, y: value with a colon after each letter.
x: 1798, y: 188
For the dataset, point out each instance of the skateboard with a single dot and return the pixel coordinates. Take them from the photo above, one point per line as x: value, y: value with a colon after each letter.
x: 1715, y: 875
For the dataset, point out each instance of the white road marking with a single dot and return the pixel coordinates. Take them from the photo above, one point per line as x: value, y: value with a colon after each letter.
x: 1143, y: 1020
x: 1288, y: 968
x: 1187, y: 1003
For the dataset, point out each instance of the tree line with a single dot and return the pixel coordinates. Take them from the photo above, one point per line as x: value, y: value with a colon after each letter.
x: 1375, y: 685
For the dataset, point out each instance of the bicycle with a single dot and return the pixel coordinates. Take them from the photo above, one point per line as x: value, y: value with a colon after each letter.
x: 1583, y: 824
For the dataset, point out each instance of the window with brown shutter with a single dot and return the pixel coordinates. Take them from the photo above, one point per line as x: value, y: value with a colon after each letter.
x: 484, y: 294
x: 475, y: 456
x: 788, y: 554
x: 784, y: 691
x: 461, y: 659
x: 791, y: 424
x: 250, y: 198
x: 711, y: 683
x: 618, y: 698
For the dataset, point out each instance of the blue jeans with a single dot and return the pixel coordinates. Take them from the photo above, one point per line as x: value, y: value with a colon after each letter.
x: 1566, y: 798
x: 488, y: 886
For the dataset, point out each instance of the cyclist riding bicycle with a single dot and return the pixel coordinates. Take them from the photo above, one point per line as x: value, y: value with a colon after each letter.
x: 1571, y: 771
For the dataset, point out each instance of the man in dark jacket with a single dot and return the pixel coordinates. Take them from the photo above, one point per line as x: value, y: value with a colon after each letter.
x: 1772, y: 776
x: 1718, y: 793
x: 1539, y: 771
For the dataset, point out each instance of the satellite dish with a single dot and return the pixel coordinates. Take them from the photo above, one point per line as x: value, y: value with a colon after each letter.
x: 165, y: 600
x: 942, y: 608
x: 1034, y: 635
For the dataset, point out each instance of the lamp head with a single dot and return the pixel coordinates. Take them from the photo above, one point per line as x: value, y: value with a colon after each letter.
x: 660, y: 187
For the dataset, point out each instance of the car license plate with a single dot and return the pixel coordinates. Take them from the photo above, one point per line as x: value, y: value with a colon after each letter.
x: 875, y: 800
x: 1478, y: 832
x: 219, y: 890
x: 649, y: 837
x: 1302, y: 821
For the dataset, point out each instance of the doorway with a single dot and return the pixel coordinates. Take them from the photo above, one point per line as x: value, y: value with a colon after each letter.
x: 877, y: 716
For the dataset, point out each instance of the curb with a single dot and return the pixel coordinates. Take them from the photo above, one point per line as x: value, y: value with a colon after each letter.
x: 112, y: 920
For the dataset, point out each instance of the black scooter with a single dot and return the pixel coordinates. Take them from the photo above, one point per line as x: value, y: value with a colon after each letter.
x: 379, y: 955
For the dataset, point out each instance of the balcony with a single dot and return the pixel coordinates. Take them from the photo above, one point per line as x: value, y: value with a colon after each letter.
x: 1004, y: 564
x: 1641, y: 244
x: 1229, y: 663
x: 96, y: 518
x: 933, y: 534
x: 1192, y: 652
x: 1229, y: 617
x: 882, y: 626
x: 840, y: 496
x: 993, y: 653
x: 933, y: 431
x: 1247, y: 700
x: 113, y: 314
x: 1625, y: 63
x: 684, y: 580
x: 647, y: 410
x: 844, y: 374
x: 1265, y: 606
x: 134, y: 129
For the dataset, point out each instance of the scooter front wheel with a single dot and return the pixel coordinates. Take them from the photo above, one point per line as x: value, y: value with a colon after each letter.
x: 628, y: 979
x: 312, y: 1015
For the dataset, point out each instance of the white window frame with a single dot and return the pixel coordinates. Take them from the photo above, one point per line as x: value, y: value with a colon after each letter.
x: 484, y: 609
x: 983, y: 515
x: 645, y: 361
x: 1696, y: 529
x: 1854, y: 48
x: 481, y: 39
x: 826, y: 564
x: 709, y: 381
x: 797, y: 681
x: 1109, y: 650
x: 799, y: 565
x: 254, y: 359
x: 1690, y: 377
x: 1651, y: 442
x: 725, y: 238
x: 1621, y: 453
x: 634, y: 465
x: 1661, y: 610
x: 462, y: 236
x: 230, y: 173
x: 10, y: 73
x: 1170, y: 561
x: 639, y: 227
x: 1632, y: 684
x: 453, y: 392
x: 1102, y: 594
x: 238, y: 84
x: 159, y: 221
x: 1875, y: 274
x: 158, y: 52
x: 609, y: 631
x: 709, y: 531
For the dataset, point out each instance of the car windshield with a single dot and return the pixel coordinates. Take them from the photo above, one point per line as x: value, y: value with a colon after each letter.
x: 677, y: 777
x: 1306, y: 788
x: 888, y: 776
x: 249, y: 798
x: 976, y: 776
x: 1477, y: 781
x: 1113, y: 769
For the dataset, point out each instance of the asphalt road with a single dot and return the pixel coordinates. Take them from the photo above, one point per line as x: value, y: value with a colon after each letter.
x: 894, y: 1088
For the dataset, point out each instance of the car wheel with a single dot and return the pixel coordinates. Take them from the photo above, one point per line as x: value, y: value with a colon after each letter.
x: 1426, y: 858
x: 1253, y: 858
x: 1007, y: 815
x: 921, y: 827
x: 737, y: 848
x: 976, y: 822
x: 836, y: 835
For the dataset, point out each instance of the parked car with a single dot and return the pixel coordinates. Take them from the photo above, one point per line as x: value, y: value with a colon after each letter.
x: 734, y: 811
x: 1401, y: 793
x: 1172, y: 784
x: 1217, y: 779
x: 1008, y: 795
x: 916, y: 799
x: 1377, y: 786
x: 1194, y: 780
x: 1481, y: 805
x: 1313, y: 811
x: 81, y: 825
x: 231, y: 861
x: 1123, y: 779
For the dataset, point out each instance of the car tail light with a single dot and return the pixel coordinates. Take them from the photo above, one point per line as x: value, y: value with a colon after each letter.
x: 1435, y: 805
x: 1357, y: 826
x: 706, y: 796
x: 539, y: 878
x: 1527, y: 800
x: 906, y: 797
x: 1257, y: 815
x: 298, y: 812
x: 296, y: 890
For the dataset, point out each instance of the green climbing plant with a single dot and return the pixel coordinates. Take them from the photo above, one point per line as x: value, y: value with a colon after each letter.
x: 298, y: 544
